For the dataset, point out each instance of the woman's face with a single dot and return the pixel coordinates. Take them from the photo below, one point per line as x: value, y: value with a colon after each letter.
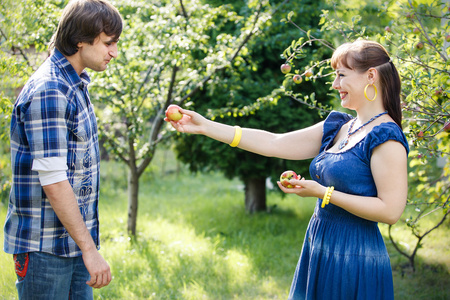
x: 350, y: 85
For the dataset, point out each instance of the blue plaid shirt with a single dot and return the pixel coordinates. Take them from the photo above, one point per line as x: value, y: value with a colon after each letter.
x: 52, y: 117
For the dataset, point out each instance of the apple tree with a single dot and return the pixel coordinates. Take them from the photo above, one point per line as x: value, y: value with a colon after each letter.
x: 249, y: 94
x: 168, y: 52
x: 421, y: 46
x: 416, y: 33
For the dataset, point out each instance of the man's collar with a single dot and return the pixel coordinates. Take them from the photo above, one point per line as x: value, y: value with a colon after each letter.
x: 66, y: 67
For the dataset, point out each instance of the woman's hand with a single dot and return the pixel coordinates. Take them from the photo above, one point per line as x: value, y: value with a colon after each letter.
x: 191, y: 122
x: 304, y: 188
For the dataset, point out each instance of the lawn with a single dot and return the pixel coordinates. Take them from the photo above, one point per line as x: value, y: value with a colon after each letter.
x: 195, y: 241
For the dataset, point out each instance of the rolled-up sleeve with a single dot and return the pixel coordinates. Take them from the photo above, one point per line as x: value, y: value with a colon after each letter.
x: 51, y: 169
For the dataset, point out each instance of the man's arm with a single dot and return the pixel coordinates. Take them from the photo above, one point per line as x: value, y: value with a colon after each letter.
x: 63, y: 202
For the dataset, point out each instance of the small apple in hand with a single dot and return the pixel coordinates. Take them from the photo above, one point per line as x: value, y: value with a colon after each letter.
x: 286, y: 176
x: 173, y: 113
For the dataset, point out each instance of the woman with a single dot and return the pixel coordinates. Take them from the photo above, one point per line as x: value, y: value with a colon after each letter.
x: 359, y: 175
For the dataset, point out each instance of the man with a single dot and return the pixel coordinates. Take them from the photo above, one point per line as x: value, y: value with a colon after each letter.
x: 52, y: 226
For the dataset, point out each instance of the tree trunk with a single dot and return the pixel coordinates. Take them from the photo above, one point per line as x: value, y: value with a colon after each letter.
x: 255, y: 194
x: 133, y: 190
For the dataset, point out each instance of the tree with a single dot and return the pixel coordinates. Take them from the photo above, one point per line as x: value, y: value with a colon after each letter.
x: 168, y: 52
x: 249, y: 94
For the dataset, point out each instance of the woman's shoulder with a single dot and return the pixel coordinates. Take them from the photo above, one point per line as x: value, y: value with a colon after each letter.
x: 338, y: 117
x: 332, y: 125
x: 335, y: 120
x: 384, y: 132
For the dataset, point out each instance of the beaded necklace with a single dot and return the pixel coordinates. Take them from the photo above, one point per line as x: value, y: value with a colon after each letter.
x: 344, y: 142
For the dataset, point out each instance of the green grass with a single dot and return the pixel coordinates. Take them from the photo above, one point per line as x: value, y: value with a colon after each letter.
x: 431, y: 279
x: 195, y: 241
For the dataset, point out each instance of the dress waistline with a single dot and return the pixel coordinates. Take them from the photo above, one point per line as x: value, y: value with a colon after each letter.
x: 337, y: 214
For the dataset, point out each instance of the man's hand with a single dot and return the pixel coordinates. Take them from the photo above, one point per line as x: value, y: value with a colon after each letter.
x: 98, y: 268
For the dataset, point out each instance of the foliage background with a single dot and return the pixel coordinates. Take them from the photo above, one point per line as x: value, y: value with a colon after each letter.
x: 243, y: 94
x: 425, y: 74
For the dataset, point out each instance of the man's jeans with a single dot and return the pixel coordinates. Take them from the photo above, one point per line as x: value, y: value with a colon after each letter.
x: 45, y: 276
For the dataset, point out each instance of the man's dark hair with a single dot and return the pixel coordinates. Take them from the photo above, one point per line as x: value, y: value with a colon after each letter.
x: 83, y: 21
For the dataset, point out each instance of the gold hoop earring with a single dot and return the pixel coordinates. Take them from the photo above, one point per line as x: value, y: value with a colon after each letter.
x: 365, y: 92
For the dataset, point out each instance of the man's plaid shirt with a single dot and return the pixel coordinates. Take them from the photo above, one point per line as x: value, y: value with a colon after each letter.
x: 52, y: 117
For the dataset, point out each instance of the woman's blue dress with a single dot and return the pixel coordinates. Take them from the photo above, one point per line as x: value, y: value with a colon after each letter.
x: 344, y: 256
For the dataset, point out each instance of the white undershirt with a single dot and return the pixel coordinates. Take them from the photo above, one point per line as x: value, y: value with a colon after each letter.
x: 51, y: 169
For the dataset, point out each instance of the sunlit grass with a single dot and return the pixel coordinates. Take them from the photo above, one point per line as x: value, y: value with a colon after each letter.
x: 195, y: 241
x: 7, y: 275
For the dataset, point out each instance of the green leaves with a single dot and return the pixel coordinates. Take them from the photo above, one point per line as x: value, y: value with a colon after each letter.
x: 163, y: 57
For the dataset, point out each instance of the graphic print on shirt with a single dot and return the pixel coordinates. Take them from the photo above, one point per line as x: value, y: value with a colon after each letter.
x: 82, y: 164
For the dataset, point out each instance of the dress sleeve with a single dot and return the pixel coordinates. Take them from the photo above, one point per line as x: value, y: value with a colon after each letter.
x: 332, y: 125
x: 381, y: 134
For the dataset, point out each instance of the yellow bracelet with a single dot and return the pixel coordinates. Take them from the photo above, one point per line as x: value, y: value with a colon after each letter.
x: 327, y: 196
x: 237, y: 136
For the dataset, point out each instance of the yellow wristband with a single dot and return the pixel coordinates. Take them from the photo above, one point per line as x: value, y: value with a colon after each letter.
x: 237, y: 136
x: 327, y: 196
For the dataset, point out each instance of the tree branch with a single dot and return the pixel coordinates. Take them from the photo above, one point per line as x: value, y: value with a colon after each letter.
x: 184, y: 10
x: 157, y: 124
x: 112, y: 144
x: 425, y: 34
x: 25, y: 57
x: 395, y: 244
